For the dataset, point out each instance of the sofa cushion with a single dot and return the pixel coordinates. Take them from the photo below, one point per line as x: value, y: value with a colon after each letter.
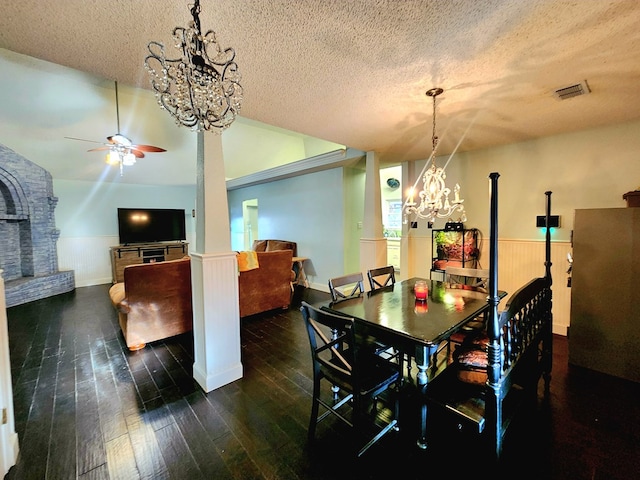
x: 116, y: 292
x: 273, y: 245
x: 259, y: 245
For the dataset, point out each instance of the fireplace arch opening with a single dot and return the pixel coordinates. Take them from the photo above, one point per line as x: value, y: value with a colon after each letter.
x: 28, y: 259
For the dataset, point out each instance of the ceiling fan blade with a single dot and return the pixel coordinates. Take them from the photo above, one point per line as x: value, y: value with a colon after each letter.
x: 137, y: 153
x: 148, y: 148
x: 83, y: 140
x: 97, y: 149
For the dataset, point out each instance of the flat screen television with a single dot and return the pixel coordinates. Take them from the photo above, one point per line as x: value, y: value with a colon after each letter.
x: 146, y: 225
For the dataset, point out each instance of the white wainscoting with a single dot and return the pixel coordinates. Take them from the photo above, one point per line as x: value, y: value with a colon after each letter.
x: 521, y: 260
x: 88, y: 257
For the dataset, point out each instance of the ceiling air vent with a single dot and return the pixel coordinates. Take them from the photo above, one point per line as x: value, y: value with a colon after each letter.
x: 572, y: 90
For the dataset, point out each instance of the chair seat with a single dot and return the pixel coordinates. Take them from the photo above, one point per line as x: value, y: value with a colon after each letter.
x: 471, y: 360
x: 376, y: 374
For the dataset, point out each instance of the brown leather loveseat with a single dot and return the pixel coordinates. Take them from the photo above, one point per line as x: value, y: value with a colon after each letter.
x: 267, y: 287
x: 154, y: 301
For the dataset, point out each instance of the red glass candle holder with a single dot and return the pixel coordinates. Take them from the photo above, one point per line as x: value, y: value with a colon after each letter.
x: 421, y: 290
x: 421, y: 307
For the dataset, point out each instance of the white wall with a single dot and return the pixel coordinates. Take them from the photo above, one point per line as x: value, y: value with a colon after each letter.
x: 353, y: 206
x: 589, y: 169
x: 86, y: 216
x: 274, y: 148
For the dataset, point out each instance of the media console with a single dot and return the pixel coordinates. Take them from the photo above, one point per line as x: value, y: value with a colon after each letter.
x: 137, y: 253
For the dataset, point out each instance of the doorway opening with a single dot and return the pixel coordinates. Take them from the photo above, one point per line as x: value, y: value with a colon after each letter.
x: 391, y: 196
x: 250, y: 222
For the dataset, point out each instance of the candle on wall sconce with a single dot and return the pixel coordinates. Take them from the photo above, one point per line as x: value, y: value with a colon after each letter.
x: 420, y: 290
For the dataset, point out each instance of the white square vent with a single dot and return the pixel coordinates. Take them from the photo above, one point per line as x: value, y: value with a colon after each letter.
x: 581, y: 88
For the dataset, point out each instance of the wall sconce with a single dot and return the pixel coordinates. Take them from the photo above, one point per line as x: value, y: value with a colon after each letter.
x: 554, y: 221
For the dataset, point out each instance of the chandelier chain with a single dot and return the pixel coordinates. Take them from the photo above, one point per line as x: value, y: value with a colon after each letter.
x: 434, y: 199
x: 434, y: 138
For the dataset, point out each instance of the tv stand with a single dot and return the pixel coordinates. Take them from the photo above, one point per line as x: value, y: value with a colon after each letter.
x: 138, y: 253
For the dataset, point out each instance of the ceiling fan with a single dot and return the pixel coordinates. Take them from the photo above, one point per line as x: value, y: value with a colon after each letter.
x: 122, y: 151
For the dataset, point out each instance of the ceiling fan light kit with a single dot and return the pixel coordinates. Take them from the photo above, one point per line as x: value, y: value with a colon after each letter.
x: 121, y: 150
x: 121, y: 158
x: 200, y: 89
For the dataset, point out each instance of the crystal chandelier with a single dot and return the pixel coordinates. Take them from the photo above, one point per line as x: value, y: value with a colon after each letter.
x: 434, y: 197
x: 201, y: 89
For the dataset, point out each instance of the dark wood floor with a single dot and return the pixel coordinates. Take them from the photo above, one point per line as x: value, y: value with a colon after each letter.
x: 87, y: 408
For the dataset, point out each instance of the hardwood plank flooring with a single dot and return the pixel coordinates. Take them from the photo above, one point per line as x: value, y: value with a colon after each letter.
x: 87, y: 408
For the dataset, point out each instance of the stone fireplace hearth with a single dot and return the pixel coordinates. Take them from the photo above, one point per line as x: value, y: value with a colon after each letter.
x: 28, y: 235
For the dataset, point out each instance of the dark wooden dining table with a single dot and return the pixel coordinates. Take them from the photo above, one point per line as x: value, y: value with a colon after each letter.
x: 394, y: 316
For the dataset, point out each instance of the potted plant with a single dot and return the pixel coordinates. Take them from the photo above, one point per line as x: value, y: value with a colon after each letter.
x: 443, y: 244
x: 441, y: 241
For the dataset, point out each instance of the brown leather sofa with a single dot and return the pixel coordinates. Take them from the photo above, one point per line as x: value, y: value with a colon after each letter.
x: 154, y: 301
x: 267, y: 287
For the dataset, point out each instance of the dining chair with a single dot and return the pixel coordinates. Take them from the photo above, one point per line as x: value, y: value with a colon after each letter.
x: 476, y: 277
x: 352, y: 286
x: 358, y: 379
x: 381, y: 277
x: 346, y: 286
x: 474, y: 332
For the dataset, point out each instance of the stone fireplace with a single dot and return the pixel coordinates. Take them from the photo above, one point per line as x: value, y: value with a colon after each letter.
x: 28, y: 235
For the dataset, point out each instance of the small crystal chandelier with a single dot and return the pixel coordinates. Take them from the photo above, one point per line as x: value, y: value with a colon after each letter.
x: 201, y: 89
x: 434, y: 196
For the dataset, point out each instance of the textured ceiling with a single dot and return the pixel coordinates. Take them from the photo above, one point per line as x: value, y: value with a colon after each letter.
x: 355, y: 72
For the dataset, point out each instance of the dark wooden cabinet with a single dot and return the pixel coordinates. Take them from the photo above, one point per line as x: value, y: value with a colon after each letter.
x: 604, y: 333
x: 123, y: 255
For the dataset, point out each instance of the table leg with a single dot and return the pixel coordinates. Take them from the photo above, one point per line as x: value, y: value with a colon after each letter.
x: 301, y: 276
x: 424, y: 354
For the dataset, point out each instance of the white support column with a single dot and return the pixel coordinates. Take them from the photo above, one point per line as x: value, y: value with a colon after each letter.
x: 9, y: 447
x: 406, y: 244
x: 214, y: 274
x: 373, y: 244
